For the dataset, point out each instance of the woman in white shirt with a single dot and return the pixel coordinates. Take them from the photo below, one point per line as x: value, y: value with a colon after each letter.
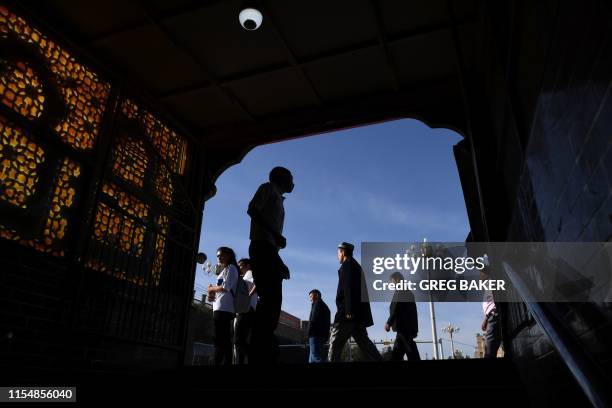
x: 222, y: 296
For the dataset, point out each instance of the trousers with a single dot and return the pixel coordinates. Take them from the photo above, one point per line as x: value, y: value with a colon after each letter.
x: 404, y: 345
x: 342, y: 332
x: 223, y: 337
x: 267, y: 275
x: 492, y: 336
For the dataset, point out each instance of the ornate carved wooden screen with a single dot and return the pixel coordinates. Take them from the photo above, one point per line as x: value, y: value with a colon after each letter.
x: 51, y: 119
x: 143, y: 233
x: 96, y: 185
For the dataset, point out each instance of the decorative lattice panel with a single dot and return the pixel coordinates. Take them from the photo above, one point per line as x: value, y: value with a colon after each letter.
x: 83, y: 93
x: 56, y: 222
x: 35, y: 68
x: 121, y: 225
x: 163, y: 185
x: 147, y: 157
x: 108, y: 199
x: 130, y: 160
x: 20, y: 89
x: 20, y: 159
x: 126, y: 202
x: 171, y: 146
x: 52, y: 95
x: 130, y: 109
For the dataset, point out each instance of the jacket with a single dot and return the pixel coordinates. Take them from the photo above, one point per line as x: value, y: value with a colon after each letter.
x: 403, y: 314
x: 319, y: 321
x: 351, y: 285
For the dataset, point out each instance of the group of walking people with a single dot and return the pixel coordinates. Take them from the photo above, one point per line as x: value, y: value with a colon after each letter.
x: 354, y: 316
x: 261, y: 275
x: 249, y: 293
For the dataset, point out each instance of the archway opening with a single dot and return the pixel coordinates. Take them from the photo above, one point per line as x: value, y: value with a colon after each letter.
x: 394, y: 181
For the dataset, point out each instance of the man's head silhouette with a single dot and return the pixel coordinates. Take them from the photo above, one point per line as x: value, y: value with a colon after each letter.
x: 282, y: 178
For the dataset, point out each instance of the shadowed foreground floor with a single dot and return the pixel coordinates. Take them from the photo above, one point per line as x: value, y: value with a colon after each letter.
x: 458, y: 381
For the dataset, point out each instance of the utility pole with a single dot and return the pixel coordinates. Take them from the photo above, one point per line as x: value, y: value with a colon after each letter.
x: 434, y: 333
x: 432, y: 311
x: 441, y: 348
x: 450, y: 329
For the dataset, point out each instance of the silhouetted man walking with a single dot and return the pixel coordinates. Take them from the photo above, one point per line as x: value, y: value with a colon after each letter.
x: 318, y: 327
x: 267, y: 218
x: 403, y: 320
x: 353, y: 314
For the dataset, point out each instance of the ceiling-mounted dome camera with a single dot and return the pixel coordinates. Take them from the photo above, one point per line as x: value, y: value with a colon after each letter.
x: 250, y: 18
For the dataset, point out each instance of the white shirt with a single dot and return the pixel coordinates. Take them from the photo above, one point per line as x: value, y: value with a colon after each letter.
x: 248, y: 278
x: 228, y: 280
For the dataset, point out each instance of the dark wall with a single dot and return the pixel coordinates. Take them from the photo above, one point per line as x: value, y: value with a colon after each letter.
x: 550, y: 117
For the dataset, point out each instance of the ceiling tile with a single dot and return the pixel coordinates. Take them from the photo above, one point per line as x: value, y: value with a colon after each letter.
x: 424, y: 57
x: 275, y: 92
x: 360, y: 72
x: 148, y: 56
x: 205, y: 107
x: 317, y: 26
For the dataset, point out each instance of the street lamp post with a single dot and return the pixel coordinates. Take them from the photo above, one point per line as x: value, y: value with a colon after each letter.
x: 434, y: 333
x: 450, y: 329
x: 432, y: 311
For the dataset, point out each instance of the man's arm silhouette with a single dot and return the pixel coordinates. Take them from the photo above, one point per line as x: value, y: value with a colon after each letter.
x: 347, y: 288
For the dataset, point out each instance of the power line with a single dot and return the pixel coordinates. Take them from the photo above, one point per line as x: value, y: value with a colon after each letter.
x: 458, y: 342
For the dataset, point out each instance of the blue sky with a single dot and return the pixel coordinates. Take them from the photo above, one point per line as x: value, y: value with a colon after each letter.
x: 394, y: 181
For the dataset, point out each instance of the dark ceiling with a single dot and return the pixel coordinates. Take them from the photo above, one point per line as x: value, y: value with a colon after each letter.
x: 313, y: 65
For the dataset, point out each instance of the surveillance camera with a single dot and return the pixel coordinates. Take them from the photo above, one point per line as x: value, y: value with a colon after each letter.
x: 250, y: 18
